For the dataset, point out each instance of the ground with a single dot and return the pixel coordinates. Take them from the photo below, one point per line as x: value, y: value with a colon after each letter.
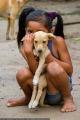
x: 11, y: 60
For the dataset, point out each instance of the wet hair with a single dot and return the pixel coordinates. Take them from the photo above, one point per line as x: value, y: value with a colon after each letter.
x: 41, y: 16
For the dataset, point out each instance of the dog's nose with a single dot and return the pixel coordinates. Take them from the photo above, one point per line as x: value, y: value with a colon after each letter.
x: 39, y: 51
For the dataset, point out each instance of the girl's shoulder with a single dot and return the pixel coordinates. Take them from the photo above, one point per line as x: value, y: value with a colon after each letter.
x: 60, y: 40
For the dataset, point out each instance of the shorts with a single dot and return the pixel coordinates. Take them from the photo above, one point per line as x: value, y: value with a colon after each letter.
x: 56, y: 98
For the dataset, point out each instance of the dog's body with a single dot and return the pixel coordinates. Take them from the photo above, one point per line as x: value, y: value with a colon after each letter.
x: 39, y: 81
x: 10, y: 9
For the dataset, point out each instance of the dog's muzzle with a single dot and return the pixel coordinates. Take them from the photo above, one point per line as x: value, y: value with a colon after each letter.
x: 39, y: 51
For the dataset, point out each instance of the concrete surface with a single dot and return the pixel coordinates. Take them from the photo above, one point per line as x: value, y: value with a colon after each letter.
x: 11, y: 61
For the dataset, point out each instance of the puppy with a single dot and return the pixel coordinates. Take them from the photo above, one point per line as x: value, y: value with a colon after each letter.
x: 39, y: 81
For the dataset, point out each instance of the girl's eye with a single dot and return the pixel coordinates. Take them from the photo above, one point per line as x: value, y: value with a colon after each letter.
x: 29, y: 31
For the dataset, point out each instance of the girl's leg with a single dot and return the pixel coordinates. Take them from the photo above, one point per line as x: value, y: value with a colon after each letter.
x: 58, y: 81
x: 24, y: 79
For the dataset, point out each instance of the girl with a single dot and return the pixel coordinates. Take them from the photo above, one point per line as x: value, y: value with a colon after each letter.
x: 59, y: 67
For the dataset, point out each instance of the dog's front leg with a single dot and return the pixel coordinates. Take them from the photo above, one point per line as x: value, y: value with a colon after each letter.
x: 36, y: 81
x: 8, y: 30
x: 12, y: 32
x: 38, y: 71
x: 36, y: 101
x: 33, y: 96
x: 41, y: 86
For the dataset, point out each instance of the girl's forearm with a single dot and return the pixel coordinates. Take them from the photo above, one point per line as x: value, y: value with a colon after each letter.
x: 30, y: 59
x: 32, y: 62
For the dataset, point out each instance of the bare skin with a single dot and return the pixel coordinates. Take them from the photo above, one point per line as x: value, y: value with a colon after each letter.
x: 57, y: 80
x: 17, y: 102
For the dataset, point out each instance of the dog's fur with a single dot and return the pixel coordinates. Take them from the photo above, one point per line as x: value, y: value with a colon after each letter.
x: 39, y: 81
x: 10, y: 9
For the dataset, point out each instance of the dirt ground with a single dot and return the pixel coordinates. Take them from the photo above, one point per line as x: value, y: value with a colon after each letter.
x: 11, y: 61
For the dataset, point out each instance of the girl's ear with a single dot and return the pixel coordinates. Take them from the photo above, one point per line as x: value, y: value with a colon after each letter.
x: 52, y: 29
x: 50, y: 35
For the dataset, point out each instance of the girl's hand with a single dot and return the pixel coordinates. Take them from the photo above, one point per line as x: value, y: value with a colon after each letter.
x: 49, y: 58
x: 28, y: 43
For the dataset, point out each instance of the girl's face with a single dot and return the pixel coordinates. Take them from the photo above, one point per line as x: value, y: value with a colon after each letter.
x: 34, y: 26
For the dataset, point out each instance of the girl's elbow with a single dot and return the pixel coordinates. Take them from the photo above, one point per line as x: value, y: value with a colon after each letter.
x: 70, y: 70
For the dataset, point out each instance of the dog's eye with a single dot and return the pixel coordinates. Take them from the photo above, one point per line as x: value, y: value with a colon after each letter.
x: 44, y: 42
x: 36, y: 41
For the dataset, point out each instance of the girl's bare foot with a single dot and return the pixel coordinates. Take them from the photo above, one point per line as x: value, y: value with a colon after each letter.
x: 17, y: 102
x: 69, y: 105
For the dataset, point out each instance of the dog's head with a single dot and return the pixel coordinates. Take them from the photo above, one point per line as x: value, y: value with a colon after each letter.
x: 41, y: 41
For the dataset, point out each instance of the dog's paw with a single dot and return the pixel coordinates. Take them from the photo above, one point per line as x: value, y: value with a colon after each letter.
x: 35, y: 81
x: 35, y: 104
x: 30, y: 105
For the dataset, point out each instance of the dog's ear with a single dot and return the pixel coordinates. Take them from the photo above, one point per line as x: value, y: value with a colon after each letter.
x: 50, y: 35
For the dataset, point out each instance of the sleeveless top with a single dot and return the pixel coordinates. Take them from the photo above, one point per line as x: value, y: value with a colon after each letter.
x: 53, y: 51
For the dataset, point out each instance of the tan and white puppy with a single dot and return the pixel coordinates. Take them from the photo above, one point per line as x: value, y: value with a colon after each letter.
x: 10, y: 9
x: 39, y: 81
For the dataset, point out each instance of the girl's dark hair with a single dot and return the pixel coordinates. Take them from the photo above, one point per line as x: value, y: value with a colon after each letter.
x: 21, y: 24
x: 46, y: 18
x: 59, y: 25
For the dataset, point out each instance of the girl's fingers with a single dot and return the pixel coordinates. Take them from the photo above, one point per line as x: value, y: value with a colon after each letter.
x: 28, y: 37
x: 27, y: 42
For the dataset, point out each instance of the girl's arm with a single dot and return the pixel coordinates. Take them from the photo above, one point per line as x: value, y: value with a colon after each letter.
x: 33, y: 64
x: 27, y: 52
x: 64, y: 57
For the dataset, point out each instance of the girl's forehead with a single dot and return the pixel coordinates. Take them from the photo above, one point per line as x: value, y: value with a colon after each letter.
x: 36, y: 26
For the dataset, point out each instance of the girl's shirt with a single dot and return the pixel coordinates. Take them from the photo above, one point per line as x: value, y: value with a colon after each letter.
x: 52, y: 49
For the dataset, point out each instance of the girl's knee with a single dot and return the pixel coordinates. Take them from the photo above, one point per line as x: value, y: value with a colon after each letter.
x: 54, y: 69
x: 23, y: 74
